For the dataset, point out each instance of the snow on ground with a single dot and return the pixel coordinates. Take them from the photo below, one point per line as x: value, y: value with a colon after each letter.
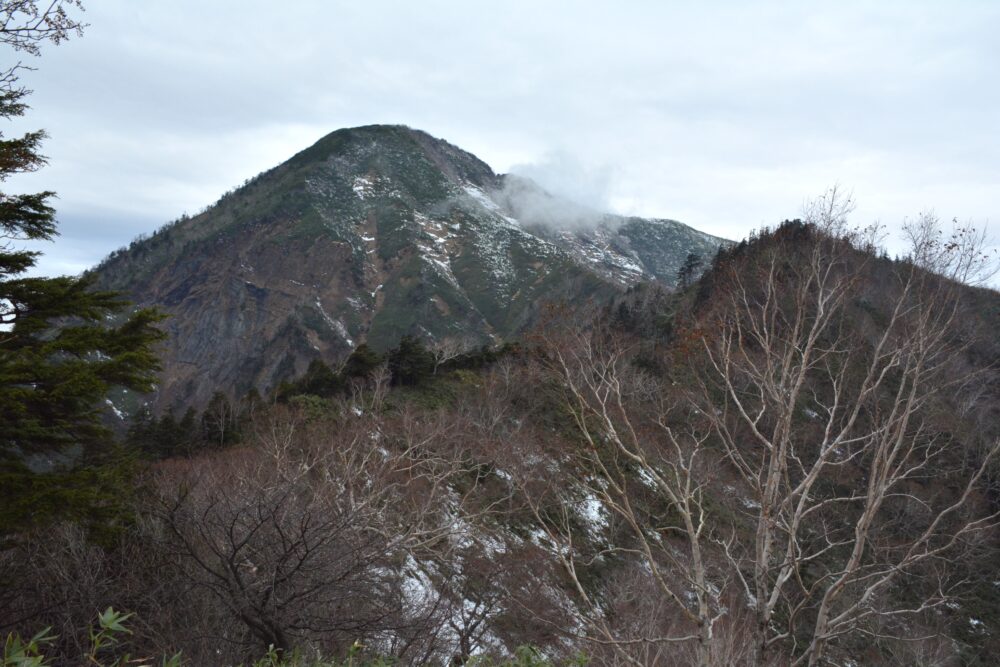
x: 366, y: 187
x: 484, y: 200
x: 492, y: 244
x: 363, y: 187
x: 596, y: 250
x: 978, y: 625
x: 336, y: 325
x: 114, y: 409
x: 647, y: 478
x: 480, y: 196
x: 438, y: 260
x: 593, y: 513
x: 435, y: 253
x: 418, y: 589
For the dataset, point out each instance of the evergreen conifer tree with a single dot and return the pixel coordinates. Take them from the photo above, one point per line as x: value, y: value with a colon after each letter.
x: 689, y: 270
x: 362, y: 362
x: 411, y: 362
x: 63, y: 345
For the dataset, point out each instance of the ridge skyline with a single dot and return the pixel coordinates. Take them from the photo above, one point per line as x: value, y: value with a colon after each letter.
x: 368, y: 235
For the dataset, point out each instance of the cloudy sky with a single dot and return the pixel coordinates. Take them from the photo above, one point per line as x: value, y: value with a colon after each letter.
x: 723, y: 115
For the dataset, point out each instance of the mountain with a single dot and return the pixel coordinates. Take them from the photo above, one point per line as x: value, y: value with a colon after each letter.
x: 604, y: 491
x: 546, y: 499
x: 371, y: 234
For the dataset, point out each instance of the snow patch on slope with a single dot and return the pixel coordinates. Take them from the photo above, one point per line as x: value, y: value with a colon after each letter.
x: 336, y: 325
x: 596, y: 250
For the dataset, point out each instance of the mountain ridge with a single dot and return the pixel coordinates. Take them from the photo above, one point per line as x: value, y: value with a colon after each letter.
x: 370, y: 234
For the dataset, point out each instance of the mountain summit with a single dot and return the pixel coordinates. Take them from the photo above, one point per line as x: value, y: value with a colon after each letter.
x: 371, y: 234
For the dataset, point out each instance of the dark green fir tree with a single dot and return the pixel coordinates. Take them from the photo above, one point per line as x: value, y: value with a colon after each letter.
x: 63, y: 347
x: 689, y: 271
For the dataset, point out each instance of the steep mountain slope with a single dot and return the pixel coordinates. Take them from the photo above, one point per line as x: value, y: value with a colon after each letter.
x: 370, y: 234
x: 621, y: 249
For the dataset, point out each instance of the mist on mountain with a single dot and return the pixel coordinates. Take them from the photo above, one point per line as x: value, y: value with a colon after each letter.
x: 558, y: 193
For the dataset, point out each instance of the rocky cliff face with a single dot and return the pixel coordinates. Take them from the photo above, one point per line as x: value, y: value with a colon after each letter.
x: 371, y: 234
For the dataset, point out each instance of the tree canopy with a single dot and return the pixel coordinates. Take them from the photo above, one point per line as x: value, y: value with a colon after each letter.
x: 63, y: 344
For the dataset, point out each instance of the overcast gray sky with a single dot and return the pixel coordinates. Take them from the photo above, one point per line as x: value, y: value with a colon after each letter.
x: 724, y: 115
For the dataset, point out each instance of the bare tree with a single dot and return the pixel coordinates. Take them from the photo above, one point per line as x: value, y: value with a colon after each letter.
x: 824, y: 383
x: 643, y: 474
x: 58, y: 578
x: 833, y: 419
x: 447, y: 349
x: 316, y: 535
x: 220, y: 422
x: 369, y: 393
x: 27, y: 24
